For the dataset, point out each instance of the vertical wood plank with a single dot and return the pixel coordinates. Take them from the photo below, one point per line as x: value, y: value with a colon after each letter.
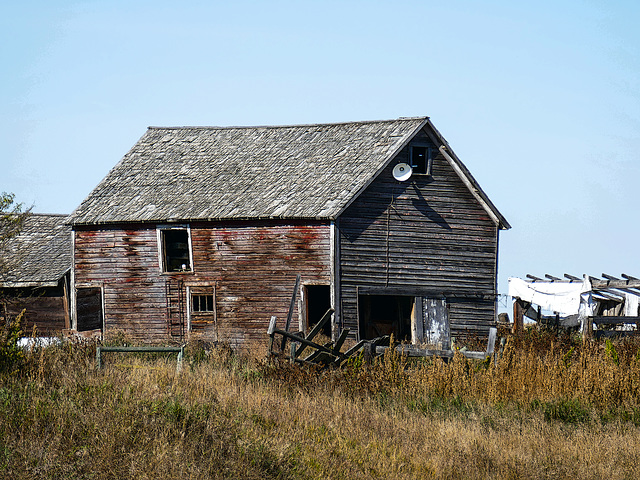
x: 518, y: 316
x: 417, y: 322
x: 436, y: 320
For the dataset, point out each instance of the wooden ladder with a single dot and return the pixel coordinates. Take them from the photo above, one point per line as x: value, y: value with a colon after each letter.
x: 175, y: 308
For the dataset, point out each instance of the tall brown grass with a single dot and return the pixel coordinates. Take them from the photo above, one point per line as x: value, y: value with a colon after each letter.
x: 549, y: 408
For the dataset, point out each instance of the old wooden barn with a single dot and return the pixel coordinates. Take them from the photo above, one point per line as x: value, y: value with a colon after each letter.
x: 37, y: 275
x: 202, y: 231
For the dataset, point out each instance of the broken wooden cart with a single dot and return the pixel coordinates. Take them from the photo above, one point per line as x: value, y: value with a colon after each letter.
x: 329, y: 354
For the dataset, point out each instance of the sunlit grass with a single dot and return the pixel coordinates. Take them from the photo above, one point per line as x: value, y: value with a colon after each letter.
x: 547, y: 409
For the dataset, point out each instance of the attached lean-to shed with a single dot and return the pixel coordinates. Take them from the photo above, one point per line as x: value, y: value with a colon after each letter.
x: 36, y: 274
x: 202, y: 231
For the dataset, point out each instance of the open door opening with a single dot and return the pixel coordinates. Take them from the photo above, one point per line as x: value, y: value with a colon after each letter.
x: 381, y: 315
x: 318, y: 301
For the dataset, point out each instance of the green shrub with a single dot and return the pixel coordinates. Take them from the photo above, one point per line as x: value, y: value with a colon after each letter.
x: 11, y: 355
x: 566, y: 411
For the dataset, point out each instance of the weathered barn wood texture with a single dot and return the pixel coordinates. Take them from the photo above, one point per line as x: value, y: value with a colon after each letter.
x: 250, y: 267
x: 429, y: 234
x: 45, y: 309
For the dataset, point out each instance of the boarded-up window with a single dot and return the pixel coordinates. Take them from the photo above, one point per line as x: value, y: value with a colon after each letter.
x: 89, y: 308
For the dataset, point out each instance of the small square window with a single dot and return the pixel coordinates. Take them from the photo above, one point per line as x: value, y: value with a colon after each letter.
x: 175, y: 250
x: 420, y: 159
x: 202, y: 302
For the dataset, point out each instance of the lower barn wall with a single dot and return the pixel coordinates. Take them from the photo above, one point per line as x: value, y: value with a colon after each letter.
x: 45, y: 309
x: 250, y: 268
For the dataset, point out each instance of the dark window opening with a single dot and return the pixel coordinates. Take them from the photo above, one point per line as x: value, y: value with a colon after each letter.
x: 202, y: 303
x: 175, y: 245
x: 318, y: 298
x: 421, y: 160
x: 89, y: 309
x: 381, y: 315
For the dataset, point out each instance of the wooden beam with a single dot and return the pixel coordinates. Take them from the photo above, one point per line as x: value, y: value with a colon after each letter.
x: 65, y: 303
x: 633, y: 290
x: 573, y: 278
x: 622, y: 291
x: 302, y: 340
x: 340, y: 341
x: 552, y: 278
x: 618, y: 320
x: 609, y: 277
x: 598, y: 284
x: 607, y: 294
x: 312, y: 358
x: 518, y: 316
x: 491, y: 341
x: 317, y: 328
x: 270, y: 332
x: 179, y: 350
x: 534, y: 278
x: 413, y: 351
x: 587, y: 329
x: 291, y: 307
x: 355, y: 348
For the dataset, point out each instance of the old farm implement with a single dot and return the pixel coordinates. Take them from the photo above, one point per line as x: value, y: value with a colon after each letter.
x: 330, y: 354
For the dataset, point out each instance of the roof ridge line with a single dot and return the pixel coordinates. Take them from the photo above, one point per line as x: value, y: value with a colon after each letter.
x: 48, y: 214
x: 237, y: 127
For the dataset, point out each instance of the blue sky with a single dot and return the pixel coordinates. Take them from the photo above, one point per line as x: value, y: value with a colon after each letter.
x: 539, y: 99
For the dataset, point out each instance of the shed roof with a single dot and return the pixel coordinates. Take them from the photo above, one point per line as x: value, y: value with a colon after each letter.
x: 268, y: 172
x: 40, y: 254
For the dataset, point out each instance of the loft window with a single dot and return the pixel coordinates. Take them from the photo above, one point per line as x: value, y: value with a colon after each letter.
x: 420, y: 159
x: 175, y: 250
x: 202, y: 303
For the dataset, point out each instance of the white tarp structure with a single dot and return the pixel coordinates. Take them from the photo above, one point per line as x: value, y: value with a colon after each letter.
x: 578, y: 297
x: 561, y: 297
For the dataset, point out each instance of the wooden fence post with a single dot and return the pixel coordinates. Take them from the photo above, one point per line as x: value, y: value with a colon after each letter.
x: 270, y: 332
x: 587, y: 328
x: 518, y: 314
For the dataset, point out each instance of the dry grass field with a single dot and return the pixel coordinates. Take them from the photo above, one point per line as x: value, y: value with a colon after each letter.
x: 550, y: 408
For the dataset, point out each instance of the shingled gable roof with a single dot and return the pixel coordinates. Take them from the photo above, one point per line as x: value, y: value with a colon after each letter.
x: 40, y: 255
x: 223, y: 173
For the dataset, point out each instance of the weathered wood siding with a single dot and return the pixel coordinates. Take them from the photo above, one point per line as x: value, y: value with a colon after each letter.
x: 429, y: 235
x: 45, y: 308
x: 252, y: 267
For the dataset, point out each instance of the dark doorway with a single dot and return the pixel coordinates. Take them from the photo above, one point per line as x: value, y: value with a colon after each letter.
x: 89, y: 308
x: 381, y: 315
x: 318, y: 299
